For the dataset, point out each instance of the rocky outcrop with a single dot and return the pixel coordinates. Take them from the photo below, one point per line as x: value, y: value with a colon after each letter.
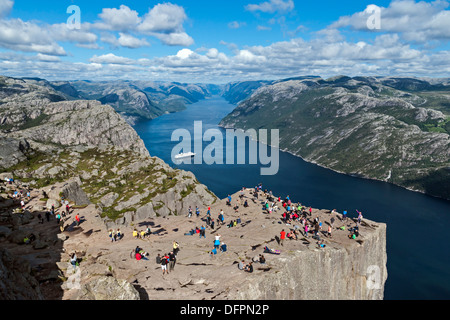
x: 357, y: 272
x: 87, y: 153
x: 16, y: 281
x: 108, y: 288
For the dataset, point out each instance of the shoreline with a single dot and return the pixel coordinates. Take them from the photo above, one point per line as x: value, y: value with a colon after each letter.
x: 344, y: 173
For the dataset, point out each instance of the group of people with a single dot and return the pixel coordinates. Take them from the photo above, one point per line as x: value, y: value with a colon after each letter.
x: 249, y: 266
x: 168, y: 260
x: 142, y: 234
x: 115, y: 235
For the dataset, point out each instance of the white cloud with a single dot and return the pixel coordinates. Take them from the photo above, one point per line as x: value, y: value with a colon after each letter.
x: 236, y: 24
x: 110, y: 58
x: 163, y: 18
x: 272, y: 6
x: 175, y: 39
x: 5, y: 7
x: 18, y: 35
x: 126, y: 40
x: 415, y: 21
x: 122, y: 19
x: 263, y: 28
x: 163, y: 21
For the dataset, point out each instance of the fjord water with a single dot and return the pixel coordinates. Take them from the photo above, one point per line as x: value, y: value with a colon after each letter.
x: 418, y: 255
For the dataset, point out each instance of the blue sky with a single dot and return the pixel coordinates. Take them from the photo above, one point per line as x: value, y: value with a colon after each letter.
x: 221, y: 41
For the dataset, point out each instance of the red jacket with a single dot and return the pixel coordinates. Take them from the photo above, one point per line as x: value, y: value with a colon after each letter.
x: 283, y: 234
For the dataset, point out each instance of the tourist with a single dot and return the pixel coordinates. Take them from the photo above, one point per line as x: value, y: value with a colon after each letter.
x: 158, y: 259
x: 306, y: 229
x: 47, y: 215
x: 197, y: 211
x: 172, y: 260
x: 262, y: 260
x: 332, y: 221
x: 282, y: 236
x: 142, y: 234
x: 22, y: 204
x: 119, y: 234
x: 344, y: 215
x: 189, y: 212
x: 208, y: 213
x: 217, y: 241
x: 176, y: 248
x: 73, y: 261
x: 112, y: 235
x: 202, y: 232
x: 164, y: 261
x: 223, y: 247
x: 359, y: 216
x: 249, y: 267
x: 320, y: 244
x: 241, y: 265
x: 67, y: 208
x: 41, y: 220
x: 329, y: 231
x: 148, y: 232
x: 77, y: 220
x: 135, y: 234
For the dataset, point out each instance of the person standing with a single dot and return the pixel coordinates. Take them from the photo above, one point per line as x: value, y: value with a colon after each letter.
x: 164, y: 264
x: 282, y: 236
x: 77, y: 220
x: 344, y: 215
x: 359, y: 216
x: 172, y: 260
x: 176, y: 248
x: 202, y: 232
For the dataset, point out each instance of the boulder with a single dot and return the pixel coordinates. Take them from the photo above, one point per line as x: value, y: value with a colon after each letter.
x: 4, y: 231
x: 108, y: 288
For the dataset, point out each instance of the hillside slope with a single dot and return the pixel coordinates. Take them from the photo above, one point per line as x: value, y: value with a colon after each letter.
x: 360, y: 126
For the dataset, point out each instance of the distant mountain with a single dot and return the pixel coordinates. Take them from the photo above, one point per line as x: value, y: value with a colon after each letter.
x: 138, y: 99
x: 46, y: 139
x: 390, y: 129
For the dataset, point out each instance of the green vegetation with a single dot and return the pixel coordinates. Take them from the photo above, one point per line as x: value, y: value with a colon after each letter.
x: 100, y: 172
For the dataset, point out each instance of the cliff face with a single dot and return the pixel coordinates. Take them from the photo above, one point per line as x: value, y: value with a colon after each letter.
x: 357, y: 272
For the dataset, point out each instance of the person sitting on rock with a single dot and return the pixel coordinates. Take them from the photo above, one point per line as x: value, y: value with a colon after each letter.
x: 245, y: 204
x: 262, y: 260
x: 223, y: 247
x: 249, y: 267
x: 241, y: 265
